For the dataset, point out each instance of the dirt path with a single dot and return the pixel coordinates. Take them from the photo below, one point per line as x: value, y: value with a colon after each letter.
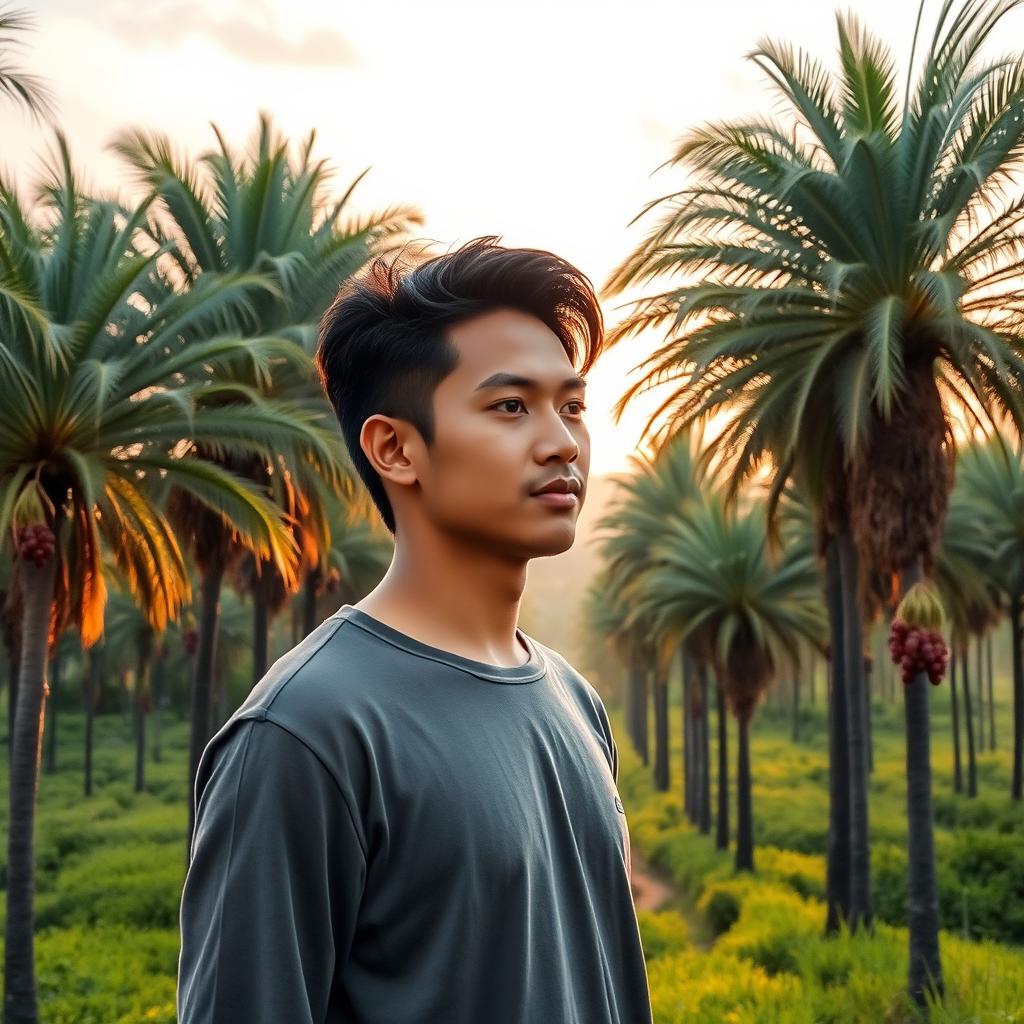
x: 651, y: 890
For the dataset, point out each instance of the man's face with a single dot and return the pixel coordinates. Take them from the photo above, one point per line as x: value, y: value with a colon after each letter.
x: 495, y: 445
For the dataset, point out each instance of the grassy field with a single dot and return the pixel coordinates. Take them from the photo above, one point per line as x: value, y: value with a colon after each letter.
x: 110, y: 871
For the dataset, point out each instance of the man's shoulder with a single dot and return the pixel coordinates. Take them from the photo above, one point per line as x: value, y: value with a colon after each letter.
x: 581, y: 687
x: 310, y: 692
x: 587, y: 699
x: 324, y: 676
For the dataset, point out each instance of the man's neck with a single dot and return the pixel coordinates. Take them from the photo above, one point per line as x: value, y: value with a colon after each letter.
x: 456, y: 599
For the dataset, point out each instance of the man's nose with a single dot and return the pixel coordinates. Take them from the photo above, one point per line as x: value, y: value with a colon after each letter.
x: 559, y: 440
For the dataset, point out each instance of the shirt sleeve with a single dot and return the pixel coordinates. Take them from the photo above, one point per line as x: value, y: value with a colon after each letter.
x: 272, y: 892
x: 606, y: 729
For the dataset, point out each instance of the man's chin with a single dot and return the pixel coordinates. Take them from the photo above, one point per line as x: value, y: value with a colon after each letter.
x: 556, y: 544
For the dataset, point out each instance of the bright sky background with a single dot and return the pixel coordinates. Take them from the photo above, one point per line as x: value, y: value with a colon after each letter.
x: 539, y: 122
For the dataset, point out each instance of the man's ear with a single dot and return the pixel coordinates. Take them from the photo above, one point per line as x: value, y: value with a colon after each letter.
x: 389, y: 444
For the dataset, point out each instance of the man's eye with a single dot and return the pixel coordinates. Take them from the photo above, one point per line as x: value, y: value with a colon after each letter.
x: 509, y: 401
x: 582, y: 407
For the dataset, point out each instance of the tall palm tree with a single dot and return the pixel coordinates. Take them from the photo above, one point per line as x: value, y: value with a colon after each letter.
x: 234, y: 641
x: 99, y: 393
x: 265, y: 213
x: 607, y: 617
x: 604, y: 618
x: 131, y: 639
x: 27, y: 89
x: 92, y: 682
x: 65, y: 650
x: 858, y: 268
x: 654, y: 490
x: 963, y: 572
x: 992, y: 478
x: 713, y: 583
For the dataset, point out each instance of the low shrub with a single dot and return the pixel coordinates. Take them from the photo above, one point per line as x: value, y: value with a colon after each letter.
x: 662, y: 932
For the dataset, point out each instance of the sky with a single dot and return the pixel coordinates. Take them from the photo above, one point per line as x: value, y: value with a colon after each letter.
x: 541, y: 122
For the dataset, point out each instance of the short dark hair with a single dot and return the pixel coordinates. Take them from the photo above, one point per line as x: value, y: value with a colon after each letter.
x: 382, y: 346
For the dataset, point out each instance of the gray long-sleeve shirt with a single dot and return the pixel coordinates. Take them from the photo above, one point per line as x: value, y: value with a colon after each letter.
x: 389, y: 833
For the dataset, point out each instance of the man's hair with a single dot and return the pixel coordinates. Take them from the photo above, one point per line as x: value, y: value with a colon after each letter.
x: 382, y: 345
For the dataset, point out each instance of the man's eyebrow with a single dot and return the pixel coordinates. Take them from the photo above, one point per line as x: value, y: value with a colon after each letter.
x: 515, y: 380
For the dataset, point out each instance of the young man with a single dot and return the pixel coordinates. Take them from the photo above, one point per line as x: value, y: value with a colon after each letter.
x: 413, y: 818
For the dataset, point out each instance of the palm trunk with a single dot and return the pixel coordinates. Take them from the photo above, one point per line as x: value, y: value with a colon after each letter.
x: 92, y: 685
x: 222, y: 697
x: 925, y: 971
x: 7, y: 633
x: 838, y: 869
x: 201, y: 683
x: 868, y: 675
x: 958, y: 774
x: 661, y: 736
x: 689, y: 774
x: 141, y: 696
x: 157, y: 675
x: 56, y: 665
x: 638, y: 708
x: 643, y: 717
x: 19, y: 952
x: 704, y: 818
x: 972, y: 761
x: 722, y: 819
x: 744, y: 801
x: 795, y: 709
x: 12, y: 707
x: 853, y: 662
x: 126, y: 699
x: 991, y: 693
x: 309, y: 614
x: 1018, y: 698
x: 810, y: 676
x: 632, y: 729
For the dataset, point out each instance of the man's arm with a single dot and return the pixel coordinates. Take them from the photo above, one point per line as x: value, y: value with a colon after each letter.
x: 272, y: 891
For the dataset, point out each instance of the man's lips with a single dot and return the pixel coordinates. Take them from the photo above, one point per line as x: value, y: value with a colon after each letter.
x: 558, y: 499
x: 561, y: 485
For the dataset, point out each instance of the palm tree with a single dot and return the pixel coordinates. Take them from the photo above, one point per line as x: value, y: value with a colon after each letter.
x: 28, y: 90
x: 99, y: 394
x: 604, y: 618
x: 64, y: 650
x: 992, y: 478
x: 607, y: 617
x: 92, y: 682
x: 131, y: 640
x: 264, y: 213
x: 234, y: 640
x: 654, y: 490
x: 963, y: 572
x: 713, y: 584
x: 858, y: 267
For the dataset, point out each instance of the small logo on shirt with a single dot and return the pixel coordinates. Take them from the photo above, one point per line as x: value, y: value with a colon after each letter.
x: 619, y: 807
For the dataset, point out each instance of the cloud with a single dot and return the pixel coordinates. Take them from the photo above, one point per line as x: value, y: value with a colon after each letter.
x: 254, y: 38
